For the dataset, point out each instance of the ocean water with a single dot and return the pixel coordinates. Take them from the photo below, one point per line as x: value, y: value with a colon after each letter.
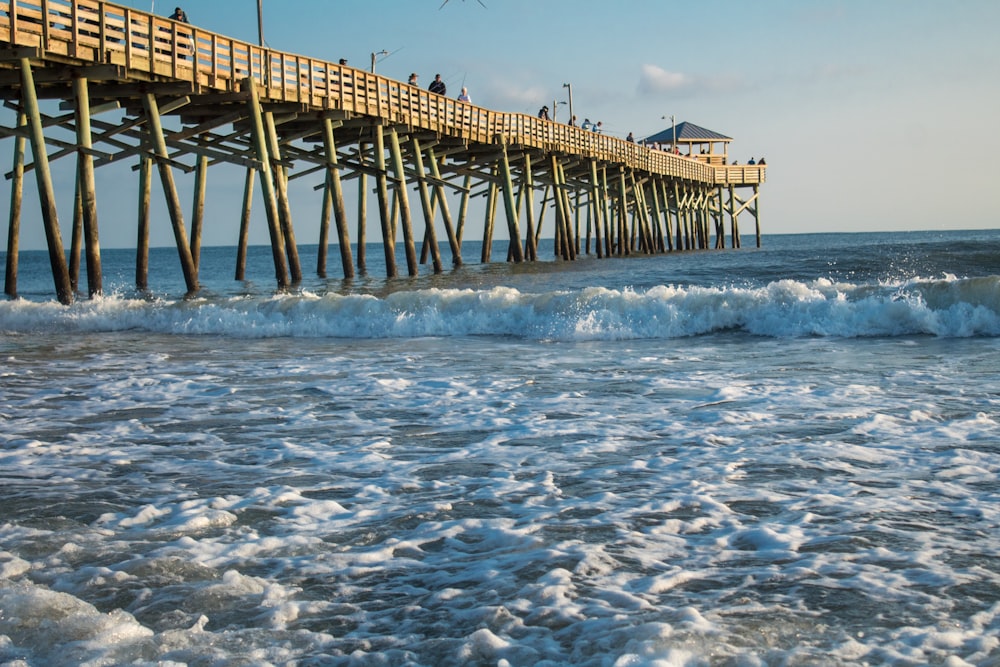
x: 774, y: 456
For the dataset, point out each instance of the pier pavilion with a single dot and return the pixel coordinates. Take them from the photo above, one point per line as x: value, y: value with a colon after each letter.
x: 282, y: 116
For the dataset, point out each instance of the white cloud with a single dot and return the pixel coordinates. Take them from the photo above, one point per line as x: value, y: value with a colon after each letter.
x: 655, y: 79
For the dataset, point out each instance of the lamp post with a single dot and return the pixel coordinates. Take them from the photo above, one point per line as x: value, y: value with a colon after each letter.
x: 375, y: 55
x: 673, y: 126
x: 260, y: 21
x: 570, y: 88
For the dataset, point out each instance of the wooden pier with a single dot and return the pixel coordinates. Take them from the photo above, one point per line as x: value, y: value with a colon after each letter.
x: 282, y: 116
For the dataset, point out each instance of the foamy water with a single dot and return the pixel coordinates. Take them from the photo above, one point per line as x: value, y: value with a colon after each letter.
x: 784, y: 469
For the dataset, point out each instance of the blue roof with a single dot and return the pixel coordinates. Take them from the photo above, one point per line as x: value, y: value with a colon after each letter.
x: 687, y: 133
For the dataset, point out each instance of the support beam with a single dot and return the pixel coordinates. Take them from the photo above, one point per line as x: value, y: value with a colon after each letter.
x: 46, y: 192
x: 381, y: 188
x: 511, y: 209
x: 244, y: 238
x: 142, y: 227
x: 362, y: 213
x: 404, y: 204
x: 453, y: 241
x: 14, y: 221
x: 491, y: 209
x: 198, y: 208
x: 170, y: 193
x: 260, y: 144
x: 530, y: 244
x: 336, y: 194
x: 88, y: 190
x: 281, y: 193
x: 430, y: 237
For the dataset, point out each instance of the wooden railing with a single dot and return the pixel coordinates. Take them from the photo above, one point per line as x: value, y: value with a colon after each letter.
x: 146, y: 45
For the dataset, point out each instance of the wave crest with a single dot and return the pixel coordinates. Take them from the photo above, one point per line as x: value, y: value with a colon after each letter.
x: 947, y: 307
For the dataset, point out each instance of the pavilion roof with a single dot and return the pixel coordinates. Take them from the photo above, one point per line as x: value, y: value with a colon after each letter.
x: 687, y: 133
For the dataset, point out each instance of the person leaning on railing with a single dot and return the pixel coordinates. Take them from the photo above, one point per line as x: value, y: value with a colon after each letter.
x: 185, y: 47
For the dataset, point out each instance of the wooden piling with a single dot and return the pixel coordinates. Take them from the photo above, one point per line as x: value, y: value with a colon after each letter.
x: 14, y: 220
x: 336, y: 194
x: 198, y: 208
x: 507, y: 186
x: 756, y: 211
x: 46, y: 193
x: 428, y: 207
x: 491, y: 209
x: 382, y: 189
x: 281, y: 195
x: 260, y: 145
x: 244, y: 237
x: 362, y: 213
x: 530, y: 246
x: 409, y: 244
x: 88, y: 190
x: 439, y: 192
x: 595, y: 205
x: 142, y: 226
x: 170, y: 192
x: 76, y: 237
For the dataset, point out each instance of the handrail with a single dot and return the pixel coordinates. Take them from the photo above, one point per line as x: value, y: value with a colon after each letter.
x: 99, y: 31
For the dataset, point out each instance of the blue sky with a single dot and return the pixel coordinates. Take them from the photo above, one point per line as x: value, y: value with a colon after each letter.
x: 872, y: 114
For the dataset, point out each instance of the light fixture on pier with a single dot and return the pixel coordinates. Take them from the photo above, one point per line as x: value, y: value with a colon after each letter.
x: 570, y: 88
x: 673, y: 126
x: 375, y: 55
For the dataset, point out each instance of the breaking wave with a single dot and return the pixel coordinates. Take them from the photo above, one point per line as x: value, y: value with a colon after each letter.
x: 946, y: 307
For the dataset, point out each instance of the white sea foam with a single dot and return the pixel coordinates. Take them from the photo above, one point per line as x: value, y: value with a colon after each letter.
x: 783, y: 309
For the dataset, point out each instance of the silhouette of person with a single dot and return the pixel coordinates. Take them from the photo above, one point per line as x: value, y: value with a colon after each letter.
x: 630, y: 138
x: 179, y: 15
x: 437, y: 86
x: 543, y: 113
x: 413, y: 79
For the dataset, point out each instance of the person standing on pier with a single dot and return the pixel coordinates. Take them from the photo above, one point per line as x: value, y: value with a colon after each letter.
x: 437, y: 86
x: 543, y: 113
x: 179, y: 15
x: 464, y: 96
x: 413, y: 79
